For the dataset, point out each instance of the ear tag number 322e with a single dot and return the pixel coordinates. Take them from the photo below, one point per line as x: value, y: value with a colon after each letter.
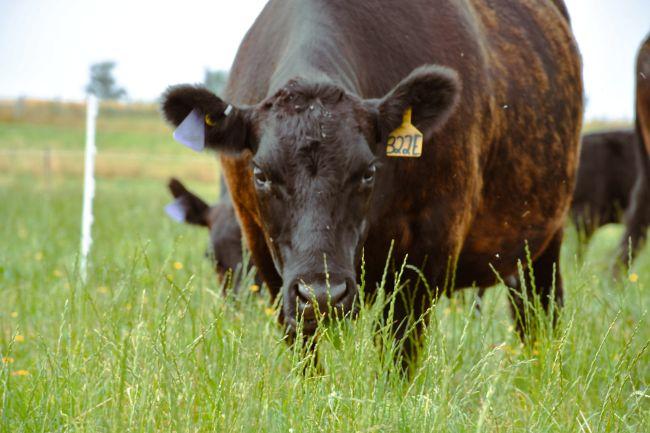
x: 406, y: 141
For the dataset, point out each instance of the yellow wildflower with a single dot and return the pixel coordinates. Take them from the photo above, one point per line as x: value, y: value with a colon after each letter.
x: 269, y: 311
x: 57, y: 273
x: 7, y: 359
x: 20, y: 338
x: 178, y: 266
x: 14, y: 314
x: 254, y: 288
x: 20, y: 373
x: 38, y: 256
x: 102, y: 289
x: 634, y: 277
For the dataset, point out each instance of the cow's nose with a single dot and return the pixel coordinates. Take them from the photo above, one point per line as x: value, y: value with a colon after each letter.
x: 321, y: 294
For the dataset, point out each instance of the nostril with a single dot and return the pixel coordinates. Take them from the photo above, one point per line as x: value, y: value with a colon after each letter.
x: 305, y: 292
x: 321, y: 294
x: 338, y: 292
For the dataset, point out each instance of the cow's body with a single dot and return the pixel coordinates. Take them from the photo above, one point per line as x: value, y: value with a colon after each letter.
x: 637, y: 215
x: 606, y: 176
x: 494, y: 177
x: 498, y: 175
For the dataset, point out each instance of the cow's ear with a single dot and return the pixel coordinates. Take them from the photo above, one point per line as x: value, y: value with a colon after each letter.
x: 203, y: 119
x: 187, y: 207
x: 432, y: 92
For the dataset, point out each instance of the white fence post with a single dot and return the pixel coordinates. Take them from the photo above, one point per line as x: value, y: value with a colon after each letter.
x: 89, y: 185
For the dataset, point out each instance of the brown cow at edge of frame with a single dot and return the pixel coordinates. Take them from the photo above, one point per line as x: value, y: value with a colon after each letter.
x: 317, y: 87
x: 637, y: 215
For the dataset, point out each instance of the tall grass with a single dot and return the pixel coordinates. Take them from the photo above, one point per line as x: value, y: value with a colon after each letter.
x: 149, y: 343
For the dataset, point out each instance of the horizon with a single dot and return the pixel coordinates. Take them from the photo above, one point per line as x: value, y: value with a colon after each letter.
x: 150, y: 57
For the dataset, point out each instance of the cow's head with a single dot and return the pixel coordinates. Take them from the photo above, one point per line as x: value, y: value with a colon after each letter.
x: 225, y: 234
x: 316, y: 157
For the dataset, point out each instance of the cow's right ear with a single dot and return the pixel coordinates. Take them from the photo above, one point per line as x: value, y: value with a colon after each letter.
x: 204, y: 120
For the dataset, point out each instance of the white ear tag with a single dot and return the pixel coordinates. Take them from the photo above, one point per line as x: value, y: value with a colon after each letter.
x: 176, y: 211
x: 191, y: 132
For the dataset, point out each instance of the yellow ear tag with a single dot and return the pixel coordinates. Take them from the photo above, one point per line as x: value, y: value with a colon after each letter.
x: 406, y: 141
x: 209, y: 121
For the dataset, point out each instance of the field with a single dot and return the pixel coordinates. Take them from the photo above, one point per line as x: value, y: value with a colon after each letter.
x: 149, y: 343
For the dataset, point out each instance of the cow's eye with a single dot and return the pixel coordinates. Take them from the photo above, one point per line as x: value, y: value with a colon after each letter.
x: 369, y: 175
x: 261, y: 180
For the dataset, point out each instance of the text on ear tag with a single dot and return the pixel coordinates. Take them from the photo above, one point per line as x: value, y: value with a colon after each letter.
x: 406, y: 141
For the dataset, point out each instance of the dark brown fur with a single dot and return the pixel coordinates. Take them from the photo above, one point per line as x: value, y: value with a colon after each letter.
x: 637, y: 216
x: 497, y: 170
x: 606, y: 175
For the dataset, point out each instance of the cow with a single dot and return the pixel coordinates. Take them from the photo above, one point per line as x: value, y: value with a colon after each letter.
x: 448, y: 130
x: 225, y: 236
x: 606, y: 176
x: 637, y: 215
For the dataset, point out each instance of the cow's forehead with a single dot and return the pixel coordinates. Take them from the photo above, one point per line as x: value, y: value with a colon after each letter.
x: 311, y: 125
x: 314, y: 130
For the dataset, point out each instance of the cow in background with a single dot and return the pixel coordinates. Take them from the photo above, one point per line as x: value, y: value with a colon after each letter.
x: 606, y: 175
x: 225, y: 247
x: 637, y: 216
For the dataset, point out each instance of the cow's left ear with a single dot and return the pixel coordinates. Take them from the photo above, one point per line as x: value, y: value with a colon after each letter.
x: 203, y: 119
x: 188, y: 207
x: 431, y: 91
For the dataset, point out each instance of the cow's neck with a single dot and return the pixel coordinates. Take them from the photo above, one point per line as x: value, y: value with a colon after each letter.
x: 314, y: 51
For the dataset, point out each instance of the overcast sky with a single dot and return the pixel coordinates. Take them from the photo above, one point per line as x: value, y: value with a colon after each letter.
x: 46, y: 46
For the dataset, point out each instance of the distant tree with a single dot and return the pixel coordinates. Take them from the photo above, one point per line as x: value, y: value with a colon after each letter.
x: 102, y: 83
x: 215, y: 80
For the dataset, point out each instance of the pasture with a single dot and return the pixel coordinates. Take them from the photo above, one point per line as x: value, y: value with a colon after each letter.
x: 149, y: 343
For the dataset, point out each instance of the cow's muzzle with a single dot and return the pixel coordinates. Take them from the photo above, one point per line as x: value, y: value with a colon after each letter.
x: 320, y: 299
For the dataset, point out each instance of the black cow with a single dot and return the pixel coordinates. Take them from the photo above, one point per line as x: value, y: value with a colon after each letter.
x: 606, y: 175
x: 320, y: 169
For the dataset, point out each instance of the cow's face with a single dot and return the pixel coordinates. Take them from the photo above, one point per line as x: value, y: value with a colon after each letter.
x: 316, y: 157
x: 314, y: 172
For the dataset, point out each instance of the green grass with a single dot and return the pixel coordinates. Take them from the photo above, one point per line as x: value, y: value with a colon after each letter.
x: 144, y: 346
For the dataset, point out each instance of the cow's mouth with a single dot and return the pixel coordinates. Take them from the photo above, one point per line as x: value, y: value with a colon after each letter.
x: 312, y: 307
